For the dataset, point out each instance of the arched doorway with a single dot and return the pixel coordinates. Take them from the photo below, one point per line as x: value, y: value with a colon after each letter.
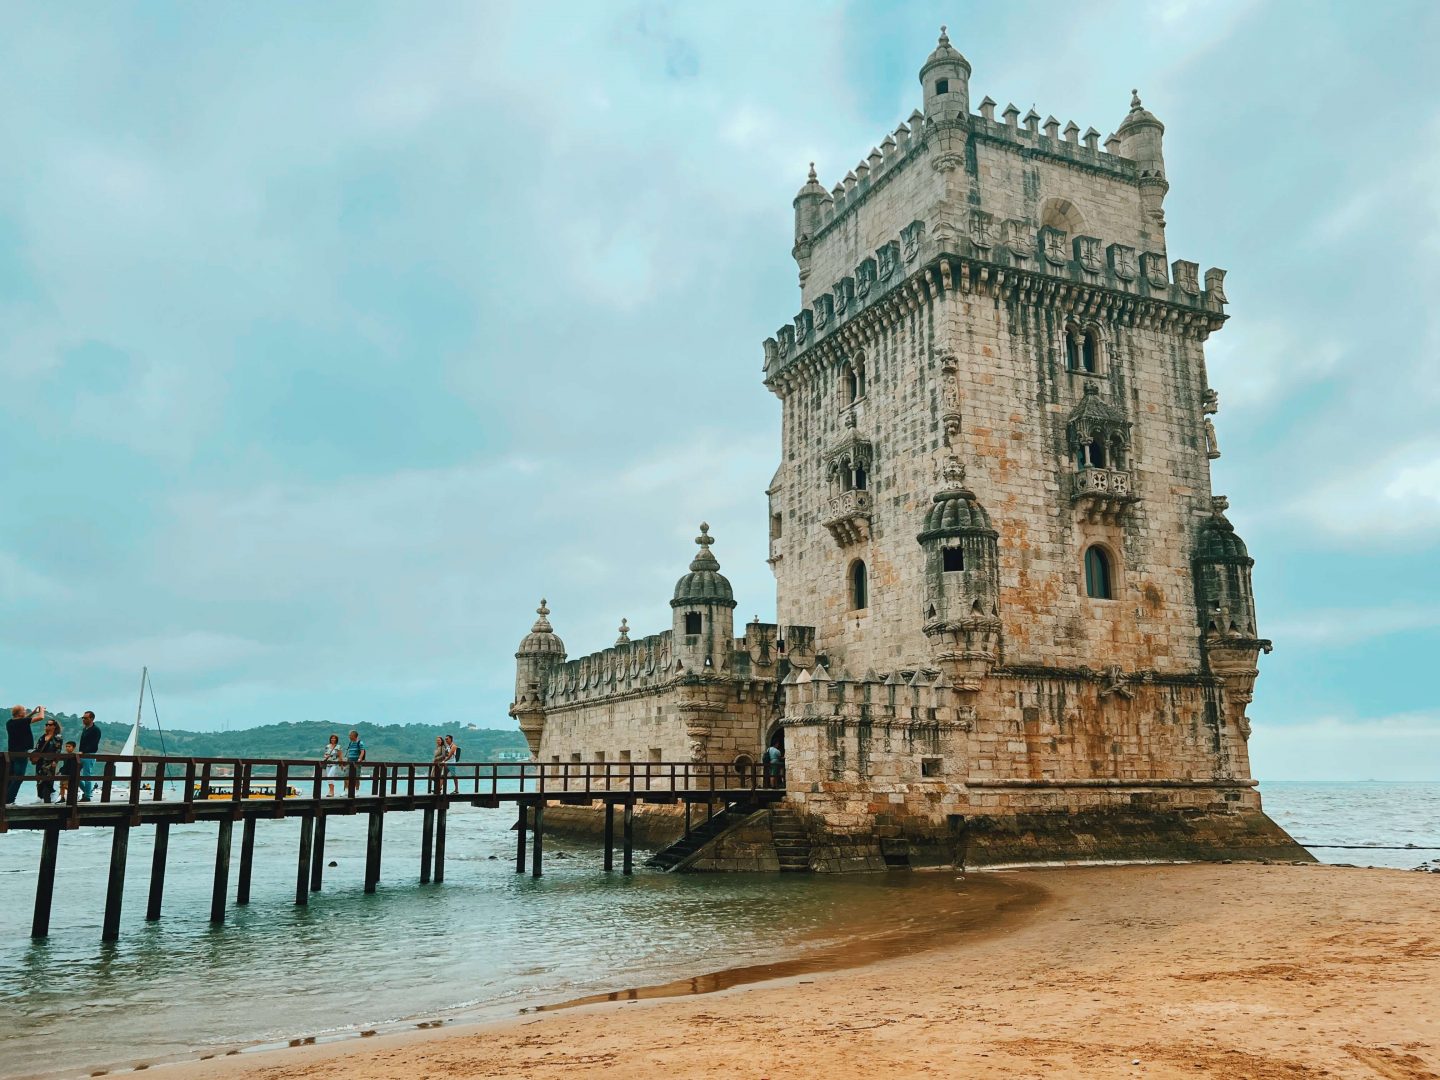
x: 773, y: 769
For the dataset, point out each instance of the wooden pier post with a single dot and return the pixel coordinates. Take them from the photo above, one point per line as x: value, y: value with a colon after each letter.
x: 157, y: 871
x: 247, y: 856
x: 317, y: 854
x: 427, y: 840
x: 609, y: 835
x: 372, y: 851
x: 222, y: 870
x: 536, y: 836
x: 302, y: 867
x: 115, y: 888
x: 440, y: 844
x: 629, y: 839
x: 520, y: 839
x: 45, y: 882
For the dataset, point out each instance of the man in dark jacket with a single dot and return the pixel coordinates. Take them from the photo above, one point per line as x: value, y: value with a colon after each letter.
x: 89, y: 745
x: 19, y: 741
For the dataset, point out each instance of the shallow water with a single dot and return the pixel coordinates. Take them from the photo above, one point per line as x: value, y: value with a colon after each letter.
x: 485, y: 944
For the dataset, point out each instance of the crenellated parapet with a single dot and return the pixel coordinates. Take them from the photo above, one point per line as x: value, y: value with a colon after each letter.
x: 1138, y: 292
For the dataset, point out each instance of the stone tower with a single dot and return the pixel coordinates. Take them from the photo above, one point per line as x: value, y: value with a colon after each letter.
x: 541, y: 652
x: 994, y: 504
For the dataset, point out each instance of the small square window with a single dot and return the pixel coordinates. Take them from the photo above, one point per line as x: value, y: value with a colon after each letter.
x: 930, y: 766
x: 575, y: 756
x: 624, y: 755
x: 692, y: 622
x: 954, y: 559
x: 942, y: 86
x: 654, y: 753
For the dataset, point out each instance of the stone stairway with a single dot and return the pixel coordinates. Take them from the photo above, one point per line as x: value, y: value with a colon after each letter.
x: 683, y: 851
x: 792, y: 845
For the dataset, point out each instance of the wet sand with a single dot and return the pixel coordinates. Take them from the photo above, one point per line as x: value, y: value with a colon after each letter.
x: 1271, y: 972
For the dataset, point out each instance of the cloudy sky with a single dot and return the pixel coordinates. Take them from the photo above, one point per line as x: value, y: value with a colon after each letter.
x: 332, y: 336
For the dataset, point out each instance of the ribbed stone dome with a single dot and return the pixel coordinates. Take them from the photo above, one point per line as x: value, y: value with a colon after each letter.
x: 944, y: 52
x: 1138, y: 116
x: 956, y: 513
x: 542, y: 639
x: 704, y: 584
x: 1219, y: 543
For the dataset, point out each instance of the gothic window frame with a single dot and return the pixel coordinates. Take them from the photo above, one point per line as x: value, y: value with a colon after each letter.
x: 1106, y: 584
x: 1076, y: 338
x: 852, y: 383
x: 857, y: 585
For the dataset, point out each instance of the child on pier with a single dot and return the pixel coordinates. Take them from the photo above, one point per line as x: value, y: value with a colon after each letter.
x: 64, y: 774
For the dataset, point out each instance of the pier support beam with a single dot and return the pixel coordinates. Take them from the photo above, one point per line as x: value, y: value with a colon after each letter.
x: 520, y: 840
x: 427, y: 840
x: 536, y: 838
x: 157, y: 871
x: 222, y: 871
x: 372, y: 851
x: 115, y: 888
x: 302, y: 862
x: 247, y: 856
x: 629, y: 852
x: 609, y: 836
x: 440, y: 845
x: 317, y: 854
x: 45, y: 882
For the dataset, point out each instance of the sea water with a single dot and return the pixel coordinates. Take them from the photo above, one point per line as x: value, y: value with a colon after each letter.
x: 485, y: 944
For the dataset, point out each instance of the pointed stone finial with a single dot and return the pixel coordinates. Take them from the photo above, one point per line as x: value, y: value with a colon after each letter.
x: 987, y: 107
x: 944, y: 37
x: 1012, y: 115
x: 1112, y: 144
x: 1092, y: 139
x: 542, y: 624
x: 704, y: 559
x: 624, y: 638
x: 704, y: 539
x: 1135, y: 99
x: 812, y: 177
x: 1052, y: 128
x: 1072, y: 133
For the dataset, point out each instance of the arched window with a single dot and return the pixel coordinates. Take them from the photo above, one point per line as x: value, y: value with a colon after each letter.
x: 859, y: 587
x: 1098, y: 583
x: 1072, y: 348
x: 852, y: 382
x: 1089, y: 351
x: 860, y: 478
x: 1095, y: 454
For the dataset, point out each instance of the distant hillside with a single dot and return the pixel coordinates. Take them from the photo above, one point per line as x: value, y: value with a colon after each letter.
x: 306, y: 738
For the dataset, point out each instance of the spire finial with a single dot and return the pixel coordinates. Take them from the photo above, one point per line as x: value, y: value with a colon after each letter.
x: 624, y: 638
x: 704, y: 539
x: 944, y: 35
x: 1135, y: 99
x: 542, y: 624
x: 812, y: 172
x: 542, y: 610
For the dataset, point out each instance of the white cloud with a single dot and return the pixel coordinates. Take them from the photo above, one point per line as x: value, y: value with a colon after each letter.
x: 1259, y: 363
x: 1347, y: 626
x: 1395, y: 499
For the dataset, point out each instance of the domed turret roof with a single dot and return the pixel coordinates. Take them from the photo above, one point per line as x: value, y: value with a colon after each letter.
x: 1138, y: 116
x: 704, y: 584
x: 956, y: 511
x: 944, y: 53
x: 1219, y: 543
x: 542, y: 639
x: 812, y: 186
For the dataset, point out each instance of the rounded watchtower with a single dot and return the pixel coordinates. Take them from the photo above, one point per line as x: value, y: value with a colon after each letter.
x: 962, y: 579
x: 541, y: 652
x: 703, y: 611
x: 945, y: 78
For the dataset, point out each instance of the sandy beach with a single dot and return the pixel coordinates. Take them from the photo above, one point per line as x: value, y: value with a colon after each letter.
x: 1272, y: 972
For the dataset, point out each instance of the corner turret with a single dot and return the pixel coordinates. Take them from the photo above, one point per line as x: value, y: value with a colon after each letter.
x: 703, y: 607
x: 945, y: 78
x: 541, y: 652
x: 808, y: 204
x: 1141, y: 138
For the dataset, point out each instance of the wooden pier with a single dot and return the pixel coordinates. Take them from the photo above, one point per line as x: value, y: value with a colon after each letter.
x: 131, y: 792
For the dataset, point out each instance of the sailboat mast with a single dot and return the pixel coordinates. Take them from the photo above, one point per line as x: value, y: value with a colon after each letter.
x: 140, y: 705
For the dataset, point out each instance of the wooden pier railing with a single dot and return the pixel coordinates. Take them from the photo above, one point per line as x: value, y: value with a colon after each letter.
x: 124, y: 792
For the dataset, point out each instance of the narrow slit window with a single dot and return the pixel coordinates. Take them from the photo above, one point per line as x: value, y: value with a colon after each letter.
x: 859, y: 587
x: 1089, y: 352
x: 1098, y: 584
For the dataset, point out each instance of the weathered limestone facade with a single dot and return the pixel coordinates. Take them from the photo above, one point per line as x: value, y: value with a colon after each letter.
x: 1033, y: 629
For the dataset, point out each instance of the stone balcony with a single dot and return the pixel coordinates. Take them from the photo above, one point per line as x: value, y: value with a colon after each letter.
x: 847, y: 516
x: 1103, y: 494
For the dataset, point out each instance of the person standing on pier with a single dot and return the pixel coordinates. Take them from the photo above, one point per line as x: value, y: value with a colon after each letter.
x: 331, y: 760
x: 89, y: 746
x: 46, y: 767
x: 354, y: 755
x: 437, y: 766
x: 452, y: 761
x: 19, y: 742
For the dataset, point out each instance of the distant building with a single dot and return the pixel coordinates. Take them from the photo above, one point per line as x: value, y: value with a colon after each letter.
x: 1014, y: 622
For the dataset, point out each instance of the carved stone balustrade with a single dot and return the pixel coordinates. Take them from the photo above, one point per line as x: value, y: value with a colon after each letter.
x: 1103, y: 494
x: 848, y: 517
